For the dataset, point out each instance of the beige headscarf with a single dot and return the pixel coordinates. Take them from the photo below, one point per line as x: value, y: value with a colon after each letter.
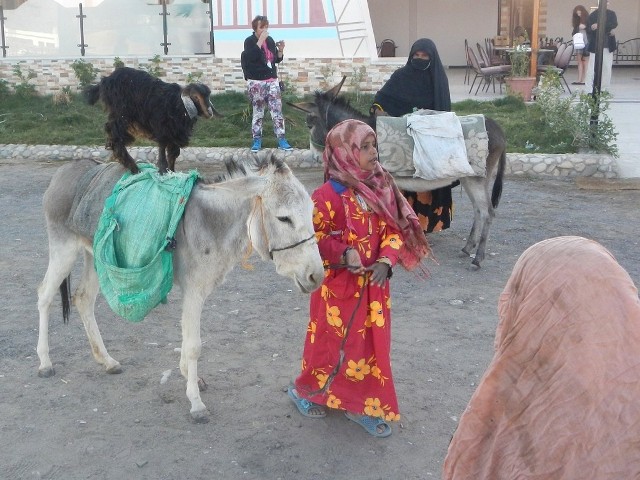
x: 561, y: 397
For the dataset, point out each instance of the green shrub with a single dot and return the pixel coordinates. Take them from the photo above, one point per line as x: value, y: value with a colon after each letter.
x: 24, y: 89
x: 569, y: 119
x: 117, y: 63
x: 85, y: 72
x: 194, y: 77
x: 154, y: 68
x: 4, y: 88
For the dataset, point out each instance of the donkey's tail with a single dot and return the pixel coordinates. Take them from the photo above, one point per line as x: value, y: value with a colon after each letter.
x: 92, y: 94
x: 65, y: 288
x: 496, y: 191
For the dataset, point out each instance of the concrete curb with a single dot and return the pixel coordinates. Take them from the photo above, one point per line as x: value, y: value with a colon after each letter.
x: 537, y: 165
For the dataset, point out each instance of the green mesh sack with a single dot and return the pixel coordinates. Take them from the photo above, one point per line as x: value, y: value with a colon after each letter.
x: 134, y: 238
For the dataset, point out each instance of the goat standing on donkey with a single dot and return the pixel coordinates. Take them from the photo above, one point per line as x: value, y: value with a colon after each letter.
x: 139, y: 104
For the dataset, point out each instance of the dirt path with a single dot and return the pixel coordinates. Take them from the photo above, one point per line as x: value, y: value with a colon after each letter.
x: 83, y: 423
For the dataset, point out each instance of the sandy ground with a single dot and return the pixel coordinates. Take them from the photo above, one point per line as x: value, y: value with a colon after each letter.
x: 86, y: 424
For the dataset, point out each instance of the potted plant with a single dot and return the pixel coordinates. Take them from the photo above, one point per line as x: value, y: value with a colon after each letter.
x: 520, y: 82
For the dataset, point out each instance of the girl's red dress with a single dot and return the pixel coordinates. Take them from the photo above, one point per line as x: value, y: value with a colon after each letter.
x: 347, y: 305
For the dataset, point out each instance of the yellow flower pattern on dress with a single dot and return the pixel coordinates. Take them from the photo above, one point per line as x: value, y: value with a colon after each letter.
x: 377, y: 373
x: 360, y: 282
x: 333, y: 316
x: 322, y: 379
x: 372, y: 407
x: 376, y: 314
x: 392, y: 417
x: 333, y: 402
x: 392, y: 241
x: 311, y: 329
x: 358, y: 370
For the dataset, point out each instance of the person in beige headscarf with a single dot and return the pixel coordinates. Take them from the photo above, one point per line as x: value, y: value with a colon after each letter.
x: 561, y: 397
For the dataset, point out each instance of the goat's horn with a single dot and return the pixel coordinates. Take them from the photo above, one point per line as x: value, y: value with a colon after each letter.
x: 190, y: 106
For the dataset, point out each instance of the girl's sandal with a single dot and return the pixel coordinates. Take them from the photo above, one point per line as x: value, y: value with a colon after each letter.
x: 371, y: 424
x: 305, y: 407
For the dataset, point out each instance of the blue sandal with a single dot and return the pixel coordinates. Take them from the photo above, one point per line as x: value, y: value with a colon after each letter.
x: 305, y: 407
x: 371, y: 424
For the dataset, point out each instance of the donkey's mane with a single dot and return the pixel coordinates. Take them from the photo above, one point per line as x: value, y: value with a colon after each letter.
x: 248, y: 167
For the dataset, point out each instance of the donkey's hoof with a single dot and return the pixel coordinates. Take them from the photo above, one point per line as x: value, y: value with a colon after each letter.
x: 46, y: 372
x: 201, y: 416
x: 114, y: 369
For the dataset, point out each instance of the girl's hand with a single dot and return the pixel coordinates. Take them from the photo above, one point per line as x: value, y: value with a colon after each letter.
x: 379, y: 273
x: 353, y: 262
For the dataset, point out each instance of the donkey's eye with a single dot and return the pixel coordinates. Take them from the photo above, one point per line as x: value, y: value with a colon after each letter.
x: 285, y: 220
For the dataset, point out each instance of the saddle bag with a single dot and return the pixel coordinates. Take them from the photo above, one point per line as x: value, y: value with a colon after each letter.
x: 133, y: 244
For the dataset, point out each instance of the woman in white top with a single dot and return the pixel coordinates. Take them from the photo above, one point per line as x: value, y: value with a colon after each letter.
x: 579, y: 22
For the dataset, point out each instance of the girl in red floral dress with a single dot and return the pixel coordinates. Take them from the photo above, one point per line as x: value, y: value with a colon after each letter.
x: 364, y: 226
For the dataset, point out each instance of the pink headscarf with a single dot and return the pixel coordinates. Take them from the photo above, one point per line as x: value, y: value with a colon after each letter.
x: 341, y: 163
x: 560, y: 397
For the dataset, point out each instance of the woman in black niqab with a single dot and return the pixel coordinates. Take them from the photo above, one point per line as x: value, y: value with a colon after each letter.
x: 411, y: 87
x: 420, y: 84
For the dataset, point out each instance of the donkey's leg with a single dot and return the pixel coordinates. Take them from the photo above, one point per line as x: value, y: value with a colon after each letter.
x: 191, y: 346
x: 478, y: 192
x: 62, y: 256
x: 85, y: 300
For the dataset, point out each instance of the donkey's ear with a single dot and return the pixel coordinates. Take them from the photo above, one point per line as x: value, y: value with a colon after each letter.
x: 333, y: 93
x: 307, y: 107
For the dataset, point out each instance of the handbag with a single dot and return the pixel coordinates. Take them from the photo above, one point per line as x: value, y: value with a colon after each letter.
x: 578, y: 41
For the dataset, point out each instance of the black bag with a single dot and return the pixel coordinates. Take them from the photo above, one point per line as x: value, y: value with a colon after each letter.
x: 282, y: 86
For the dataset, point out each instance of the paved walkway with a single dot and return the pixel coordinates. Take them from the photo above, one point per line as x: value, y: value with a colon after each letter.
x: 624, y: 110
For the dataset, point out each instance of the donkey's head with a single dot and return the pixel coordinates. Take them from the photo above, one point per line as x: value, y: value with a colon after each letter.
x: 281, y: 226
x: 327, y: 110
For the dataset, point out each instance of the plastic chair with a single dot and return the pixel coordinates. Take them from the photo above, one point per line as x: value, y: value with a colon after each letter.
x: 387, y: 48
x: 487, y: 75
x: 468, y: 68
x: 560, y: 62
x: 494, y: 58
x: 483, y: 56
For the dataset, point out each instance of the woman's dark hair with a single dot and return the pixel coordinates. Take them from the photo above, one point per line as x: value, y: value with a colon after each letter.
x: 580, y: 15
x: 259, y: 20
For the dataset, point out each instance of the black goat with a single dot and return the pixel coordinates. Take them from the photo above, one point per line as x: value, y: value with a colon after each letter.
x: 139, y: 104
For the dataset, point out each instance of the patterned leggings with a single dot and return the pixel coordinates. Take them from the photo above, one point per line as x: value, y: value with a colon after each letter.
x: 262, y: 93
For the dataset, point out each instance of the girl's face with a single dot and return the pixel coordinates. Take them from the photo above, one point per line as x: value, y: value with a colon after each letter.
x: 368, y: 154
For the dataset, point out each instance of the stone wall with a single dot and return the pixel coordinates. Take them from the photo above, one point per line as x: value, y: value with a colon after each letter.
x: 539, y: 165
x: 220, y: 74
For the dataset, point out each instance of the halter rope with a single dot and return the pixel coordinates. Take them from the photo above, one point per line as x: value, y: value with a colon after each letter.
x: 279, y: 249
